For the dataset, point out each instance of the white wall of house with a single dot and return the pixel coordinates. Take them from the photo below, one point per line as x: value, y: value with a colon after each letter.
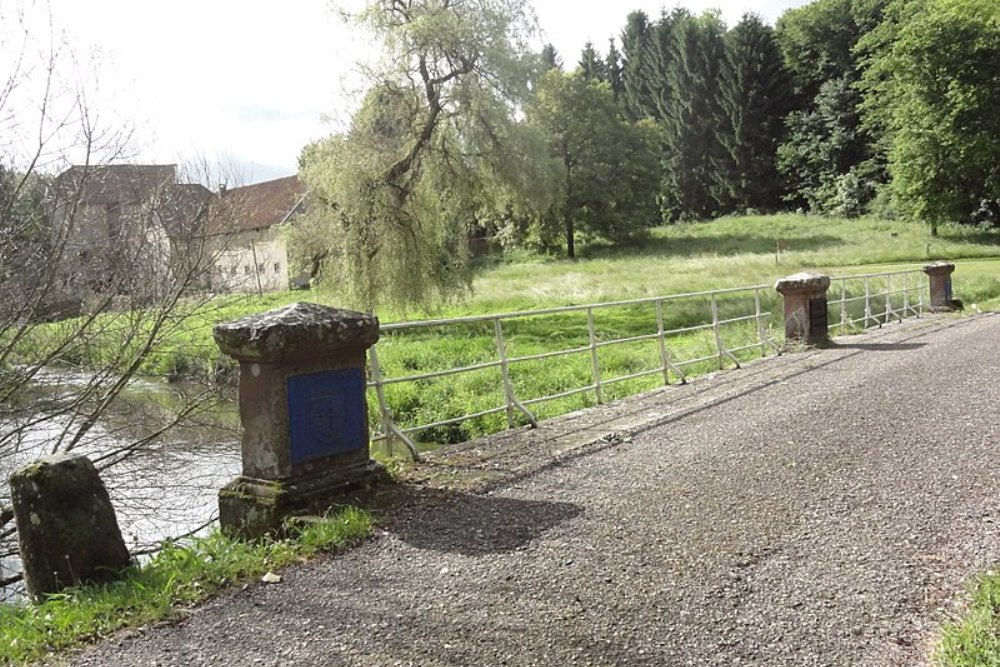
x: 251, y: 261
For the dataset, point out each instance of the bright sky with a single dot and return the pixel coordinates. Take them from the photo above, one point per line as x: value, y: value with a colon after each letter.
x: 250, y: 82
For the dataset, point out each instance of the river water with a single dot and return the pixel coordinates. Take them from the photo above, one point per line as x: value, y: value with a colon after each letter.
x: 168, y: 487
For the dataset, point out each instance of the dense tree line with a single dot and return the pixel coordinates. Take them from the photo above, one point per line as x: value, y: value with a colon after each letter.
x: 844, y: 106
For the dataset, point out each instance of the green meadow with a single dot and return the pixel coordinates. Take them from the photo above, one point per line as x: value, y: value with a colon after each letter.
x: 674, y: 259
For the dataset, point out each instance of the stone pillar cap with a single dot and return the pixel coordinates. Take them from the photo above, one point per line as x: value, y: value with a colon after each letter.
x: 935, y: 268
x: 802, y: 282
x: 295, y: 332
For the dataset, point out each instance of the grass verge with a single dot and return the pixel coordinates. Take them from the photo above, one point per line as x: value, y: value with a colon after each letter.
x: 178, y: 576
x: 974, y: 640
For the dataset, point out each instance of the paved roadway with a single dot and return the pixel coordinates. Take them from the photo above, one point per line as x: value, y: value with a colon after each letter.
x: 822, y: 508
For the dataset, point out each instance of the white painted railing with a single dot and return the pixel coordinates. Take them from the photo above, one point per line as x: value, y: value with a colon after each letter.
x: 874, y: 299
x: 860, y: 301
x: 670, y: 364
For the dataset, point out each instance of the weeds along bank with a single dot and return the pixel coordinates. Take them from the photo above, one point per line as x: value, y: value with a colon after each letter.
x: 180, y: 575
x: 675, y: 259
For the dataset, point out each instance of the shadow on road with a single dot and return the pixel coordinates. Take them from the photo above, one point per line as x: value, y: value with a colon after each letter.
x: 474, y: 525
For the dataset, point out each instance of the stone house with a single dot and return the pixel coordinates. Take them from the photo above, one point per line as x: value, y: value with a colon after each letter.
x: 133, y: 230
x: 244, y: 229
x: 118, y: 228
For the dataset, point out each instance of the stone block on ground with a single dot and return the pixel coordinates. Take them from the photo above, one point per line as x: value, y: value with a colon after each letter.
x: 67, y: 529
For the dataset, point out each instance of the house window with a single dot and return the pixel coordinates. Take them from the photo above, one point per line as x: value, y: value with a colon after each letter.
x: 277, y: 267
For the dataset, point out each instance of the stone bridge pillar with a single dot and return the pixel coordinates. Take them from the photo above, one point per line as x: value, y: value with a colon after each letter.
x: 303, y: 411
x: 805, y: 307
x: 940, y: 277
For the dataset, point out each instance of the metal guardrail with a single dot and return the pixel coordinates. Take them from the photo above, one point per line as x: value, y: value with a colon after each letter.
x: 871, y: 299
x: 865, y: 300
x: 514, y: 405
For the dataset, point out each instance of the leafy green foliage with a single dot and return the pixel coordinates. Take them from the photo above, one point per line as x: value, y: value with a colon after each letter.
x: 607, y: 166
x: 822, y: 146
x: 828, y: 151
x: 932, y: 81
x: 755, y: 95
x: 433, y: 146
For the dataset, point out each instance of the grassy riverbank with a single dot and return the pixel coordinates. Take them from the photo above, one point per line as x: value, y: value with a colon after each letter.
x: 177, y: 577
x: 675, y: 259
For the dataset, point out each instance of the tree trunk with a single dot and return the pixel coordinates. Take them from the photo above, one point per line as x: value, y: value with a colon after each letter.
x: 570, y: 239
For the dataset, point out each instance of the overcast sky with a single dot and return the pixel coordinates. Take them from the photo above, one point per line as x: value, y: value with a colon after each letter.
x: 251, y: 82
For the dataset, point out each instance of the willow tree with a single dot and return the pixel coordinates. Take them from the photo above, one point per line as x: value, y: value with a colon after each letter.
x: 429, y: 154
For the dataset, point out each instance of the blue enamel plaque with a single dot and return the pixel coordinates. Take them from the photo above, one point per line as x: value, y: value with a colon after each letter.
x: 325, y: 414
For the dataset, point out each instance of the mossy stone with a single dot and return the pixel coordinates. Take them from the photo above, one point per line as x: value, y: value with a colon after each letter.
x: 67, y: 530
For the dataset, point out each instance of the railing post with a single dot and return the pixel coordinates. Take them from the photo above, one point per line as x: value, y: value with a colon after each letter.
x: 906, y: 295
x: 888, y: 298
x: 717, y: 331
x: 940, y: 286
x: 805, y: 307
x: 389, y: 429
x: 920, y: 301
x: 759, y: 319
x: 594, y: 360
x: 508, y: 386
x: 662, y: 342
x: 843, y: 305
x: 664, y: 352
x: 868, y: 302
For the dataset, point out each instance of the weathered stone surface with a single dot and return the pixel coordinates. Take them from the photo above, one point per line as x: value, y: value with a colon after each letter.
x: 802, y: 282
x: 66, y: 525
x: 805, y: 307
x: 939, y: 268
x: 250, y: 508
x: 940, y: 287
x: 297, y: 331
x: 303, y: 410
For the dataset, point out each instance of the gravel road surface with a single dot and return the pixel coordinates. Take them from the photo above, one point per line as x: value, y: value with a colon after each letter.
x: 822, y: 508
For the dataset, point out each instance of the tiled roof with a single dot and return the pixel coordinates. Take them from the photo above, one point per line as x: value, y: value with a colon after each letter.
x: 257, y: 206
x: 117, y: 183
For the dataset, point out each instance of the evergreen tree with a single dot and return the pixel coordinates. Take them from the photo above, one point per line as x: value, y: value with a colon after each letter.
x: 660, y: 59
x: 754, y: 95
x: 613, y: 66
x: 636, y: 43
x: 551, y: 58
x: 693, y: 151
x: 592, y: 67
